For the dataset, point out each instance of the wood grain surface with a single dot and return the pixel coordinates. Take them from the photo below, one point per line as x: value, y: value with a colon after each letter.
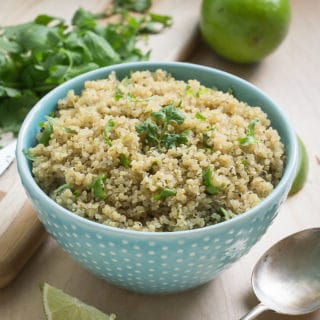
x: 291, y: 77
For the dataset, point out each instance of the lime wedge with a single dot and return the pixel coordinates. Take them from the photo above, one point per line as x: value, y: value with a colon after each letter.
x: 302, y: 169
x: 61, y: 306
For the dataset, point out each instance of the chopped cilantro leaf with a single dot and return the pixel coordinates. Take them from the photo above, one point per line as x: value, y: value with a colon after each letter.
x: 244, y: 162
x: 202, y: 90
x: 61, y: 189
x: 107, y: 129
x: 150, y: 131
x: 207, y: 180
x: 200, y: 117
x: 165, y: 192
x: 169, y: 114
x: 226, y: 214
x: 69, y: 130
x: 77, y: 193
x: 171, y: 140
x: 157, y: 131
x: 124, y: 160
x: 188, y: 90
x: 98, y: 187
x: 46, y: 131
x: 118, y: 94
x: 28, y: 155
x: 205, y: 137
x: 249, y: 139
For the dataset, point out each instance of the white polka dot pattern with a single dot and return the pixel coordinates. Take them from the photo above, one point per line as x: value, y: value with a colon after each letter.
x: 156, y: 264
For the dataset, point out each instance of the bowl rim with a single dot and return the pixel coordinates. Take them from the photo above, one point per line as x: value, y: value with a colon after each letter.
x: 29, y: 182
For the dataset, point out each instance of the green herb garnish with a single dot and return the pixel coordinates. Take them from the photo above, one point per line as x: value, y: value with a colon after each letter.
x: 38, y: 55
x: 130, y: 97
x: 124, y: 160
x: 61, y: 189
x: 249, y: 139
x: 107, y: 129
x: 118, y: 94
x: 150, y: 130
x: 226, y: 214
x: 165, y: 193
x: 168, y: 114
x: 205, y: 137
x: 244, y: 162
x: 171, y: 140
x: 28, y: 155
x: 207, y: 180
x: 200, y: 117
x: 188, y: 90
x: 98, y: 186
x: 156, y: 131
x: 46, y: 131
x: 202, y: 90
x: 76, y: 193
x: 69, y: 130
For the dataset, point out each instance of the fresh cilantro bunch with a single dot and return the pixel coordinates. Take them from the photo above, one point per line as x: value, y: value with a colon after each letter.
x: 37, y: 56
x: 155, y: 131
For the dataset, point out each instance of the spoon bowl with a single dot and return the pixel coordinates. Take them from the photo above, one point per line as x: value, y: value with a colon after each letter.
x: 286, y: 279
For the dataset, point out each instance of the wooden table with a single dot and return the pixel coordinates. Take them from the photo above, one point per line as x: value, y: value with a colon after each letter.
x: 291, y: 77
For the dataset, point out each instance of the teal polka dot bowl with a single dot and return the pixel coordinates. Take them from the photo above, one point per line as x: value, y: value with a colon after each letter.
x: 152, y: 262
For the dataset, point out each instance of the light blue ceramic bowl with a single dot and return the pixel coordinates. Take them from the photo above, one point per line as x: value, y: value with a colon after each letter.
x: 152, y: 262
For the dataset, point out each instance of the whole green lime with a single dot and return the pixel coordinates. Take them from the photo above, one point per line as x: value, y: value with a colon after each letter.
x: 244, y: 31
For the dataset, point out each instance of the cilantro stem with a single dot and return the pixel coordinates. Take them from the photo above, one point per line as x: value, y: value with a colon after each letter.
x: 69, y: 56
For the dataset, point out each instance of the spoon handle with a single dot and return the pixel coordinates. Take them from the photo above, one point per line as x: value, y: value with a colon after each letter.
x: 255, y: 312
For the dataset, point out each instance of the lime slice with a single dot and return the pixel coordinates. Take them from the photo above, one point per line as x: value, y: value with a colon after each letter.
x: 302, y: 169
x: 61, y: 306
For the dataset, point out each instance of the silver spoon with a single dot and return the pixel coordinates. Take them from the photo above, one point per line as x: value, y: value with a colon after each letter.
x: 286, y: 279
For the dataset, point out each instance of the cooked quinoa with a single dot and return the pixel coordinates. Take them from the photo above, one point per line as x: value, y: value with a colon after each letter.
x: 153, y: 153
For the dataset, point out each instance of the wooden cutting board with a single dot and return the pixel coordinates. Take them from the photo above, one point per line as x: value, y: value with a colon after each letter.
x: 21, y: 233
